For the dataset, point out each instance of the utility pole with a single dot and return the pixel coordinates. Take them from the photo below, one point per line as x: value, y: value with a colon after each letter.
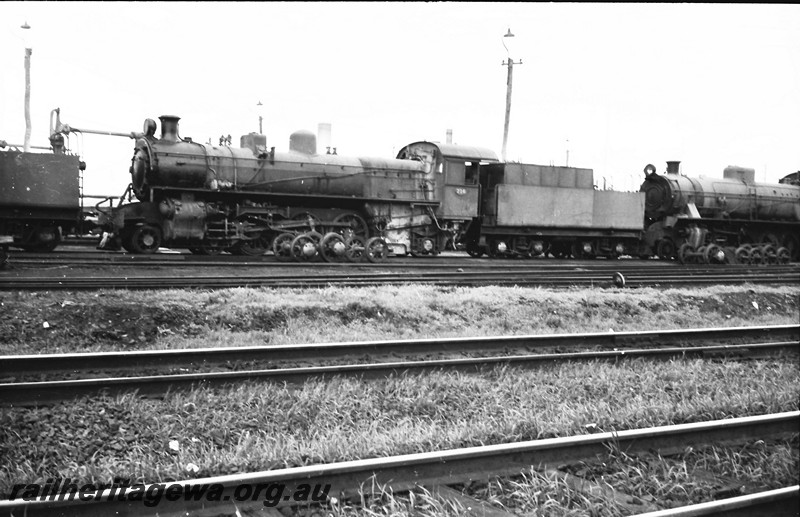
x: 260, y: 119
x: 28, y: 51
x: 510, y: 64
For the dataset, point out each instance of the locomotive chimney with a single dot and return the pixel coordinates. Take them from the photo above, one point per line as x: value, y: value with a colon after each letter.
x: 169, y: 127
x: 673, y: 167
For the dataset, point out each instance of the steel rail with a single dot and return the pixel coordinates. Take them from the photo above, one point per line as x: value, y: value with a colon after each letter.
x: 349, y: 280
x: 47, y: 392
x: 400, y: 473
x: 779, y: 502
x: 138, y: 359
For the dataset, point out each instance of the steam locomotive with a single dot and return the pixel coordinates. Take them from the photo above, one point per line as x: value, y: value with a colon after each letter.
x: 303, y: 205
x: 699, y: 219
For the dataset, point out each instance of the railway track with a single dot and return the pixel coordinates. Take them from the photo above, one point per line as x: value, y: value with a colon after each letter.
x: 323, y: 277
x: 441, y: 468
x: 716, y: 342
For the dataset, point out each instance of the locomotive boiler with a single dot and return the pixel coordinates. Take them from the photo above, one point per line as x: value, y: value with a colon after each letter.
x: 718, y: 219
x: 298, y: 203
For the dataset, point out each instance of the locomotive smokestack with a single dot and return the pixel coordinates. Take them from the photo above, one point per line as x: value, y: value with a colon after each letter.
x: 673, y: 167
x: 169, y: 127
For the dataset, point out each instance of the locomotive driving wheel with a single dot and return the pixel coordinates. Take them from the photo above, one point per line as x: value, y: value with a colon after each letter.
x: 783, y: 255
x: 355, y: 226
x: 332, y: 248
x: 742, y: 254
x: 684, y: 253
x: 665, y: 249
x: 355, y: 249
x: 282, y: 247
x: 376, y: 250
x: 253, y: 247
x: 305, y: 247
x: 144, y: 239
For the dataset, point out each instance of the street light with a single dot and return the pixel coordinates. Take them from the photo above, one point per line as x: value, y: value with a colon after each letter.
x: 510, y: 64
x: 27, y: 143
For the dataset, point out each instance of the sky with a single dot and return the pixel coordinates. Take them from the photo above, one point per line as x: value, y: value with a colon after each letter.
x: 610, y: 87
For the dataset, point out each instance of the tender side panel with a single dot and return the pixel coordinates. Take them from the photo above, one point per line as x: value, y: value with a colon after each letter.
x: 45, y: 181
x: 618, y: 210
x: 519, y: 205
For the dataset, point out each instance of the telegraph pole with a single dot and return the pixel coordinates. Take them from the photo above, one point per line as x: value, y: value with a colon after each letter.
x: 510, y: 64
x: 28, y: 51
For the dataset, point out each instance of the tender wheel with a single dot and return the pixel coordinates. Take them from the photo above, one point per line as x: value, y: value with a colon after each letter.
x: 783, y: 256
x: 333, y: 248
x: 355, y: 249
x: 305, y: 248
x: 376, y: 249
x: 45, y: 239
x: 144, y: 239
x: 282, y: 246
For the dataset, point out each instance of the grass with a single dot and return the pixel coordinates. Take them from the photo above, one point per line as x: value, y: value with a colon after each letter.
x: 120, y: 320
x: 260, y: 426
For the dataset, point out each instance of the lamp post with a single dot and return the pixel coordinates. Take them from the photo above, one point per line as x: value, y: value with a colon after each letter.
x: 260, y: 119
x: 28, y: 51
x: 510, y: 64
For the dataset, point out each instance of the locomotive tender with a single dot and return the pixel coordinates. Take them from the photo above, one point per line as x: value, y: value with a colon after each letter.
x: 40, y: 199
x: 698, y: 219
x: 298, y: 203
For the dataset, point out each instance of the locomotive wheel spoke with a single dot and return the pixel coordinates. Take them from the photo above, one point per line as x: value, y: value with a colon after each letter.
x: 743, y: 255
x: 333, y: 248
x: 305, y: 247
x: 683, y: 253
x: 355, y: 249
x: 356, y: 226
x: 376, y: 250
x: 254, y: 247
x: 282, y: 246
x: 711, y: 255
x: 769, y: 254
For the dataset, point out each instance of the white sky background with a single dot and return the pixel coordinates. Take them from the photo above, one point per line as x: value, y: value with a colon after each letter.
x: 625, y: 84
